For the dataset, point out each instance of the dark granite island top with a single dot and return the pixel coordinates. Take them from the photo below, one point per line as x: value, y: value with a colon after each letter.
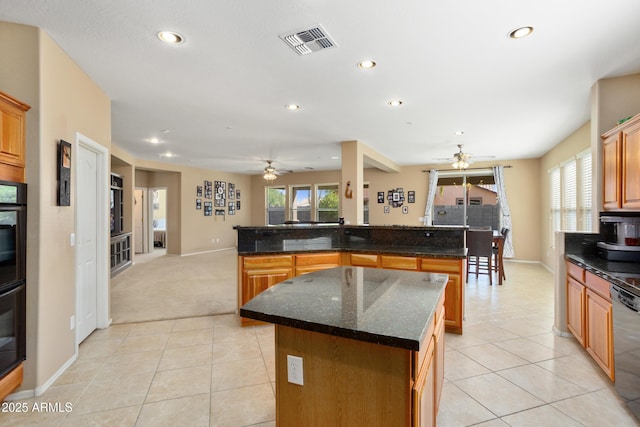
x: 387, y: 307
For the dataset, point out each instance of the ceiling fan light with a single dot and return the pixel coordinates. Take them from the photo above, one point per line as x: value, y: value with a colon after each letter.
x: 269, y: 173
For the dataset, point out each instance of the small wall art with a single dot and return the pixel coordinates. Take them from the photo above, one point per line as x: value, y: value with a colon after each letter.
x: 405, y: 209
x: 232, y: 208
x: 232, y: 191
x: 208, y: 194
x: 395, y: 197
x: 198, y: 203
x: 238, y: 205
x: 237, y: 194
x: 380, y: 196
x: 64, y: 173
x: 199, y: 191
x: 221, y: 194
x: 208, y: 208
x: 387, y: 209
x: 411, y: 196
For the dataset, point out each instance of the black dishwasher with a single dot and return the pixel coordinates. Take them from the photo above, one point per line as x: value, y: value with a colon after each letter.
x: 625, y: 300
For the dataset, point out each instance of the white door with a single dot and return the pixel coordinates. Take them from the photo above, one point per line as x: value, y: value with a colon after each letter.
x: 86, y: 246
x: 138, y: 221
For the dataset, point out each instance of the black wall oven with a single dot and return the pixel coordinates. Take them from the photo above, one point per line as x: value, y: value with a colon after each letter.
x: 13, y: 253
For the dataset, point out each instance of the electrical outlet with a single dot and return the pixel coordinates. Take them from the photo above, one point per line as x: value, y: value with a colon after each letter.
x: 72, y: 322
x: 294, y: 370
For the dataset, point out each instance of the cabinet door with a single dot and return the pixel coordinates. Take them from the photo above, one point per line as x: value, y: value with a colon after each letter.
x: 256, y: 281
x: 398, y: 262
x: 438, y: 361
x: 599, y: 342
x: 630, y: 167
x: 611, y: 172
x: 453, y: 293
x: 12, y: 125
x: 575, y: 309
x: 364, y: 260
x: 423, y: 392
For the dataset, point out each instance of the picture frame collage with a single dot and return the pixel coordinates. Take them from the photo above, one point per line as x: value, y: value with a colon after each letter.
x: 218, y: 192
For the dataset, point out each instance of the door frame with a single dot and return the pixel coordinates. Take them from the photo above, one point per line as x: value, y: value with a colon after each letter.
x: 150, y: 191
x: 145, y: 220
x: 102, y: 230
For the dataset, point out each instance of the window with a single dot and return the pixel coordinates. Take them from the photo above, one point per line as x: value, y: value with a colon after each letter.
x: 571, y: 195
x: 300, y: 204
x: 584, y: 192
x: 327, y: 203
x: 556, y: 204
x: 276, y: 197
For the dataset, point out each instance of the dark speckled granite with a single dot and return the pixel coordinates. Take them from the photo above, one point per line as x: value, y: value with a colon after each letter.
x: 387, y: 307
x: 581, y: 249
x: 446, y: 242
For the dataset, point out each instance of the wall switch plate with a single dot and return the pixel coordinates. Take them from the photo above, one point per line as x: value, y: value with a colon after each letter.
x: 294, y: 370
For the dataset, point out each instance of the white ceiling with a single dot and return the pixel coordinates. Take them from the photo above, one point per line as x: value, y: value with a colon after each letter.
x: 222, y: 93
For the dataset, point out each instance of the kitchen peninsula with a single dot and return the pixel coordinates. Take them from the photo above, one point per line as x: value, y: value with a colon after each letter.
x: 271, y: 254
x: 356, y: 346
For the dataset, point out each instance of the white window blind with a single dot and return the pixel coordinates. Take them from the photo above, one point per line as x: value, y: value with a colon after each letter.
x: 569, y: 196
x: 584, y: 192
x: 554, y: 178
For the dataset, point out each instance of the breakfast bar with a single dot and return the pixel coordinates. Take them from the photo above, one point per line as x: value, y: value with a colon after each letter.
x: 356, y: 346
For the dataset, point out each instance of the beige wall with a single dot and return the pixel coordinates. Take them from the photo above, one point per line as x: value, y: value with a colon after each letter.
x: 64, y: 101
x: 19, y: 77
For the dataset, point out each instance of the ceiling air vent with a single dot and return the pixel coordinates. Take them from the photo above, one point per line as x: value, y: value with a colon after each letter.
x: 308, y: 40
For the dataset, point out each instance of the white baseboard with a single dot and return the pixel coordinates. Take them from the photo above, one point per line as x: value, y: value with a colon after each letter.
x: 208, y: 252
x: 39, y: 391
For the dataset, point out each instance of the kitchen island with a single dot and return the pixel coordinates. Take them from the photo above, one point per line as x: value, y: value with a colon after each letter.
x: 356, y: 346
x: 269, y: 255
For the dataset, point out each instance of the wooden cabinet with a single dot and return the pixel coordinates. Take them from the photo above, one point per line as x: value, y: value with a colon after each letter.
x: 120, y: 253
x: 364, y: 260
x: 454, y: 292
x: 12, y: 138
x: 589, y: 315
x: 423, y: 391
x: 258, y: 273
x: 356, y: 383
x: 620, y: 160
x: 599, y: 342
x: 265, y: 271
x: 396, y: 262
x: 309, y: 263
x: 438, y: 358
x: 575, y: 309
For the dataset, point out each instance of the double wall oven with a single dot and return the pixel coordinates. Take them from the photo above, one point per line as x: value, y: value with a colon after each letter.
x: 13, y: 229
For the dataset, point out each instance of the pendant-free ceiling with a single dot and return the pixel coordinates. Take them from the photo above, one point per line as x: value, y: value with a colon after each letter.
x: 269, y: 172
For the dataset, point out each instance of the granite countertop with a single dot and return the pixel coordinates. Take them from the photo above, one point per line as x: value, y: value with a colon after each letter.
x: 388, y: 307
x: 622, y: 273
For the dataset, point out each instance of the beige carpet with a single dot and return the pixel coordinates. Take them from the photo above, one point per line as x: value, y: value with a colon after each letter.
x: 160, y: 286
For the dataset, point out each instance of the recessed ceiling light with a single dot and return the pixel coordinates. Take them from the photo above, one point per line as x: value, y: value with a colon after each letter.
x: 170, y: 37
x: 292, y: 107
x: 395, y: 103
x: 367, y: 64
x: 167, y: 154
x: 521, y: 32
x: 459, y: 132
x: 154, y: 140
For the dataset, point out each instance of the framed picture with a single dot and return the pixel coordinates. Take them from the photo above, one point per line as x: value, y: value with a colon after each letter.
x: 199, y: 191
x: 411, y: 196
x: 198, y: 203
x: 221, y: 193
x: 237, y: 194
x: 387, y: 209
x: 207, y: 190
x: 238, y: 205
x: 64, y: 173
x: 208, y: 208
x: 232, y: 191
x: 405, y: 209
x: 380, y: 196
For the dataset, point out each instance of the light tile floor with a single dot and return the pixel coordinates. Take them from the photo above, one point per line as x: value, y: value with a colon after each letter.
x: 508, y: 369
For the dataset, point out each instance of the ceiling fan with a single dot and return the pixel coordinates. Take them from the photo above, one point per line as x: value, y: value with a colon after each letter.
x: 462, y: 160
x: 269, y: 172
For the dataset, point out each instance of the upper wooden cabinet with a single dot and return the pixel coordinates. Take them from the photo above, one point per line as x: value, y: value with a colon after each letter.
x: 12, y: 138
x: 620, y: 160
